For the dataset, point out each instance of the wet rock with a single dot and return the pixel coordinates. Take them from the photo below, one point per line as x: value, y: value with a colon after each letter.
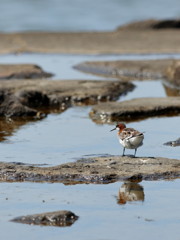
x: 173, y: 73
x: 22, y: 71
x: 11, y: 107
x: 173, y: 143
x: 58, y: 219
x: 19, y: 98
x: 127, y: 70
x: 96, y: 170
x: 34, y: 99
x: 152, y: 24
x: 134, y: 109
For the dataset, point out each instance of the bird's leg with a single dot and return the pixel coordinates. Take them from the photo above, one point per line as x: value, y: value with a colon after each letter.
x: 135, y: 152
x: 123, y: 152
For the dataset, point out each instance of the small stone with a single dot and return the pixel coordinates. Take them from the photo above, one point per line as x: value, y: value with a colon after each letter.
x: 59, y: 219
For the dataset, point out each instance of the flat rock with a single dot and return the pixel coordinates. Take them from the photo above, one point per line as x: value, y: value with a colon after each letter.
x: 22, y: 98
x: 57, y: 219
x: 128, y: 70
x: 122, y: 41
x: 22, y: 71
x: 134, y: 109
x: 174, y: 143
x: 103, y: 169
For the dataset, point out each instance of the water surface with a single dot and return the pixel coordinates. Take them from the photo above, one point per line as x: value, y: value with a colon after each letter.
x: 80, y: 15
x: 71, y: 135
x: 101, y: 217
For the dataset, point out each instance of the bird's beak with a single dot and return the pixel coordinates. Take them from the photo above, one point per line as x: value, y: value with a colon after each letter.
x: 113, y: 129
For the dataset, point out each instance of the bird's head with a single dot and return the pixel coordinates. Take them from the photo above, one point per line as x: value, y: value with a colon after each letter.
x: 119, y: 127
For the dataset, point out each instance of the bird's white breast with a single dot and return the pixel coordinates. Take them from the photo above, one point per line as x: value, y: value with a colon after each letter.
x: 133, y: 142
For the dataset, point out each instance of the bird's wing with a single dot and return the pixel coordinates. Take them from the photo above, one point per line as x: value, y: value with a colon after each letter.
x: 130, y: 133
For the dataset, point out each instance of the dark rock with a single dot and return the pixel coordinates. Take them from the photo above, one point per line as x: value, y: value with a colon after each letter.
x: 152, y: 24
x: 131, y: 110
x: 173, y: 143
x: 34, y: 99
x: 11, y: 107
x: 58, y: 219
x: 22, y: 71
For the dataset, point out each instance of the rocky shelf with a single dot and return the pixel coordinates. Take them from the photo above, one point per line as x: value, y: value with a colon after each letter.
x: 129, y: 70
x: 20, y: 98
x: 135, y: 109
x: 103, y: 169
x: 142, y: 37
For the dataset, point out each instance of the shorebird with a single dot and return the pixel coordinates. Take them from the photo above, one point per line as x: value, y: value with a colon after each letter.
x: 129, y: 137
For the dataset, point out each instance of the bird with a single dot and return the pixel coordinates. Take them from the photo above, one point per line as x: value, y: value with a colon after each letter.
x: 129, y: 138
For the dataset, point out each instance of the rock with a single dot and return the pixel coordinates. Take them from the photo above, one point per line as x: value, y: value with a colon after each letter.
x: 22, y: 71
x: 11, y: 107
x: 152, y: 24
x: 116, y: 42
x: 173, y: 73
x: 34, y: 99
x: 127, y: 70
x: 57, y: 219
x: 134, y: 109
x: 171, y: 91
x: 173, y: 143
x: 19, y: 98
x: 94, y: 170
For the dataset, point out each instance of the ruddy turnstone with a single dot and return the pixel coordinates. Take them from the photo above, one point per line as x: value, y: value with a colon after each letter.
x: 129, y: 137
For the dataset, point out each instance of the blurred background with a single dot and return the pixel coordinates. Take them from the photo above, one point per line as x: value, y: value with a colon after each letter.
x: 80, y: 15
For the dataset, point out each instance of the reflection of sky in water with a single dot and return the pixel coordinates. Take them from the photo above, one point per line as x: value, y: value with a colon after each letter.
x: 65, y: 137
x: 72, y: 135
x: 81, y: 15
x: 100, y: 215
x: 62, y: 64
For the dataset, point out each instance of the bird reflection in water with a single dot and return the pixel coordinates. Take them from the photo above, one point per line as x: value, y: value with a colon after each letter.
x: 130, y: 192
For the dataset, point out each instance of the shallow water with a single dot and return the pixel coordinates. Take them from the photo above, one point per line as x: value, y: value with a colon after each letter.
x: 101, y: 217
x: 71, y: 135
x: 65, y: 137
x: 80, y: 15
